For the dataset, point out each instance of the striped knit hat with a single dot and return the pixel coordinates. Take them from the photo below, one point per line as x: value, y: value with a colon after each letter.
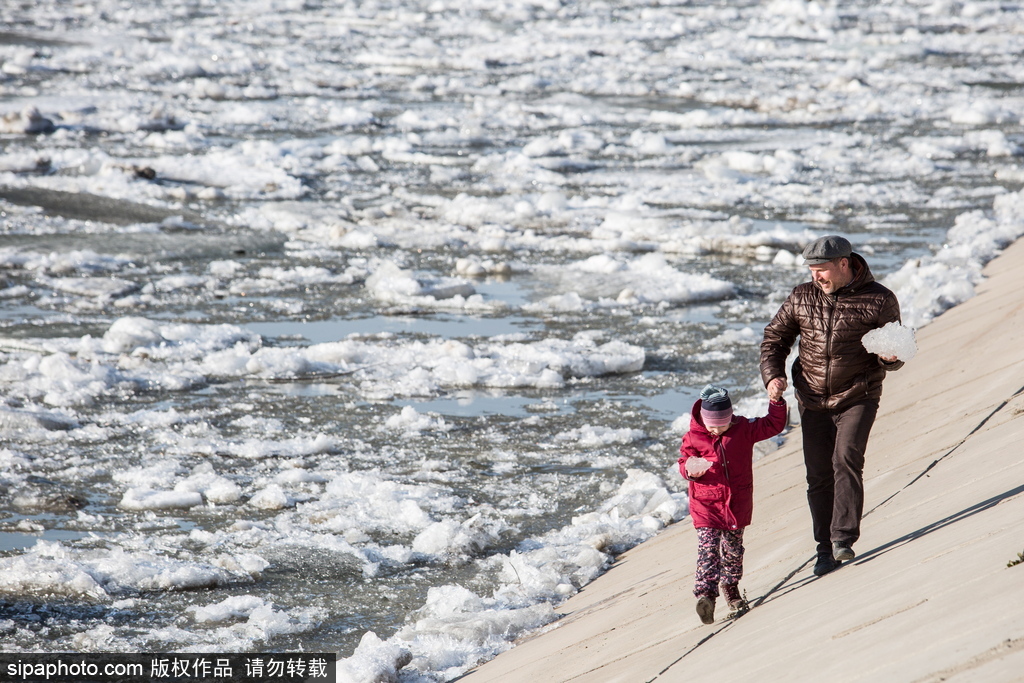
x: 715, y: 406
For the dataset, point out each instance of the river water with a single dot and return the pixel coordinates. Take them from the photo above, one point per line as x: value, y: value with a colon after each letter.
x: 372, y: 327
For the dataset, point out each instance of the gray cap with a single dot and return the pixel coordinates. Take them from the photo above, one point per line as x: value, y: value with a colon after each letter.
x: 827, y: 248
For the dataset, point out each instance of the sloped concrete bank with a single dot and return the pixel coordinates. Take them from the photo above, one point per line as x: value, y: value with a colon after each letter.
x: 930, y: 596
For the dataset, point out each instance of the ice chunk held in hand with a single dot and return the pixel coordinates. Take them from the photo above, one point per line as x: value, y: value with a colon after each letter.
x: 892, y: 339
x: 697, y: 466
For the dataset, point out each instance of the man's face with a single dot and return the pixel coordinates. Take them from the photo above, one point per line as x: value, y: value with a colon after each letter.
x: 832, y: 275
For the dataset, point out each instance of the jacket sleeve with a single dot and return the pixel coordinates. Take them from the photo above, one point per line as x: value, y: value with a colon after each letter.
x: 779, y: 337
x: 772, y: 423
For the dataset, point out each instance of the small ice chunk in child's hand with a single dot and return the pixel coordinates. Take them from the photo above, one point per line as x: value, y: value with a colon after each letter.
x: 696, y: 466
x: 892, y: 339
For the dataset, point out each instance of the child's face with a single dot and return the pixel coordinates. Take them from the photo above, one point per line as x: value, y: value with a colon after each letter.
x: 719, y: 430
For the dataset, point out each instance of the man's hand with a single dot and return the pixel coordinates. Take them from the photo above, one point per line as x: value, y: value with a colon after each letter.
x: 776, y: 387
x: 889, y: 359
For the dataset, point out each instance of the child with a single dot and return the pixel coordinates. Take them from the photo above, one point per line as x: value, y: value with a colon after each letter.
x: 717, y: 458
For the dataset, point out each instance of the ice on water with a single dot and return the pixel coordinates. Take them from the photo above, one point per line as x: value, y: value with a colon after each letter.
x: 614, y: 175
x: 51, y: 568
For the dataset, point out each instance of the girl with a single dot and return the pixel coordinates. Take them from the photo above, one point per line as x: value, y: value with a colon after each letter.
x: 716, y: 457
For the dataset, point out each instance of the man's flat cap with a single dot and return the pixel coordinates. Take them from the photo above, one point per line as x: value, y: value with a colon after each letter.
x: 827, y: 248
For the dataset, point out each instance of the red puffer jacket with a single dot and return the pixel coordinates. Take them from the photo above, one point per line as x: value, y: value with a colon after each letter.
x: 833, y: 370
x: 723, y: 497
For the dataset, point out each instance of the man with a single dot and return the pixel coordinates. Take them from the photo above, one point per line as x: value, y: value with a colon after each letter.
x: 837, y: 384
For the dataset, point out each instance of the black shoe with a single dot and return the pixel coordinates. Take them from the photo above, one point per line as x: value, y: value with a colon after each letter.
x: 825, y: 564
x: 842, y: 551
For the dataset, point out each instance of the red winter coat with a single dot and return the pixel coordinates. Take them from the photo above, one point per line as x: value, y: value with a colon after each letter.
x: 723, y: 497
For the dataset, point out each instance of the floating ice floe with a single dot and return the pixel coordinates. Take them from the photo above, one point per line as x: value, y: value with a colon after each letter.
x: 13, y: 420
x: 412, y: 422
x: 61, y: 264
x: 27, y: 121
x: 150, y: 499
x: 33, y: 494
x: 473, y: 267
x: 365, y: 501
x: 458, y: 539
x: 930, y: 285
x: 214, y: 488
x: 167, y: 342
x: 49, y: 568
x: 393, y: 284
x: 228, y: 609
x: 273, y: 497
x: 373, y: 660
x: 254, y: 618
x: 99, y: 287
x: 609, y: 281
x: 592, y: 436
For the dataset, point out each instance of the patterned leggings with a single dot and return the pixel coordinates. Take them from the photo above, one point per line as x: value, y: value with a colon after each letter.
x: 719, y: 558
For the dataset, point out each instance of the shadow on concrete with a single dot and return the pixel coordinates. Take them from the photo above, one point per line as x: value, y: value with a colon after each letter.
x: 787, y: 585
x: 977, y: 508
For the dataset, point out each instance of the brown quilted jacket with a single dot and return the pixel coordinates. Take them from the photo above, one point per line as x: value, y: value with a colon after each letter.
x: 833, y: 369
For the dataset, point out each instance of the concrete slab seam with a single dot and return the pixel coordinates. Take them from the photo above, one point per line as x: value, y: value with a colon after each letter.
x: 1003, y: 649
x: 683, y: 656
x: 949, y: 452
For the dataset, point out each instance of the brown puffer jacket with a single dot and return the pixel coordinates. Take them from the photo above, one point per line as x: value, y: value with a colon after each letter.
x: 833, y: 369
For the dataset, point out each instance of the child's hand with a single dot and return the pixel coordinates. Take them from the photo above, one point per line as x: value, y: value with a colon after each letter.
x: 775, y: 390
x: 697, y: 466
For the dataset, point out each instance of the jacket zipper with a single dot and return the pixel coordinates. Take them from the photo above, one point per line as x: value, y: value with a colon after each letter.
x: 833, y: 300
x: 720, y: 447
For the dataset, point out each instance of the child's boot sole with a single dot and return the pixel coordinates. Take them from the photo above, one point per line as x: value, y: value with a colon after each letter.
x: 706, y: 610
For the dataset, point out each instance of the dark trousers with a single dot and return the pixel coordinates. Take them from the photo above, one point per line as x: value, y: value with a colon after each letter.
x: 834, y: 445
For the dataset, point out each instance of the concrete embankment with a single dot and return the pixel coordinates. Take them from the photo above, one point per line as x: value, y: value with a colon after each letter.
x: 930, y: 596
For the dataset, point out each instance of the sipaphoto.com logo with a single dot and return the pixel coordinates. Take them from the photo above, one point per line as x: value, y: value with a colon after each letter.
x: 73, y: 669
x: 288, y: 667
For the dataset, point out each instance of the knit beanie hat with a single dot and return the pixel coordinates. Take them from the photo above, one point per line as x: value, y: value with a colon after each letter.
x: 715, y: 406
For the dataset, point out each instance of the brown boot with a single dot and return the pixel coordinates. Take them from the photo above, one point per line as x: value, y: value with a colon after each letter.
x: 731, y: 593
x: 706, y: 609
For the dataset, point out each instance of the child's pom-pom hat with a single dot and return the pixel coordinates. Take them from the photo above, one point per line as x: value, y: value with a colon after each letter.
x: 715, y: 406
